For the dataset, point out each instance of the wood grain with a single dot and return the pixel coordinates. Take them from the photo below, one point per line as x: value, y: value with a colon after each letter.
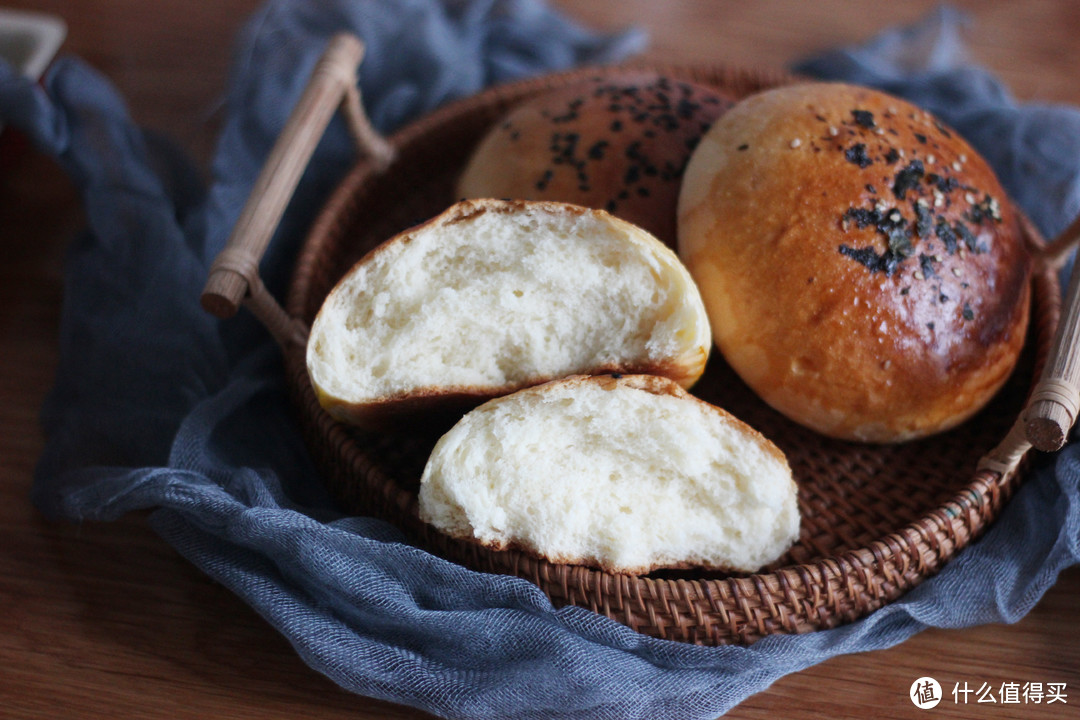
x: 106, y: 621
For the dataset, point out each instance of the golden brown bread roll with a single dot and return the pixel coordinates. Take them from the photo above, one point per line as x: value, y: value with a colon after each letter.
x: 617, y: 143
x: 862, y: 267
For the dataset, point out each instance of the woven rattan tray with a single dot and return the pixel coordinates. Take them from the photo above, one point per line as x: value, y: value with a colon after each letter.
x: 876, y: 519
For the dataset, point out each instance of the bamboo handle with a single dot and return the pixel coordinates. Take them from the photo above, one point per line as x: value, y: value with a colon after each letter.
x: 234, y: 277
x: 1053, y: 406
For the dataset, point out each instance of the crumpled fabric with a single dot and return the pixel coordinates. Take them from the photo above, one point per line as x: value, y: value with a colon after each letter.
x: 159, y: 406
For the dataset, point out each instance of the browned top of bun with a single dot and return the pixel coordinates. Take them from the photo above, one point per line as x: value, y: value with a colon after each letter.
x: 616, y: 142
x: 862, y: 267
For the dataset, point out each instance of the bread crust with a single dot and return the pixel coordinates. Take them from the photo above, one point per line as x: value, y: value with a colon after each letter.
x: 434, y: 405
x: 863, y: 269
x: 618, y: 143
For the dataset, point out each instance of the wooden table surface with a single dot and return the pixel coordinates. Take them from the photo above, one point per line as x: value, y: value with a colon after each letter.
x: 105, y: 620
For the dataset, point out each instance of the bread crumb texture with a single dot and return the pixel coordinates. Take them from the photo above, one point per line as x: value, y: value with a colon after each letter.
x: 501, y: 295
x: 628, y: 475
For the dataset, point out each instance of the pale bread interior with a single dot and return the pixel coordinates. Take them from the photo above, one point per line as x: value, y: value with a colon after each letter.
x: 613, y: 475
x: 501, y: 295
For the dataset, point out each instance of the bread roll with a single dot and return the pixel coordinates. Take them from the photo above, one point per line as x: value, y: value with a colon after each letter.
x: 628, y: 474
x: 618, y: 143
x: 862, y: 267
x: 492, y: 296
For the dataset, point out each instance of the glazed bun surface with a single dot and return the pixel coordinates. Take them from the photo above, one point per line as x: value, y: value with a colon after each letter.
x: 493, y: 296
x: 628, y: 474
x: 617, y: 143
x: 862, y: 267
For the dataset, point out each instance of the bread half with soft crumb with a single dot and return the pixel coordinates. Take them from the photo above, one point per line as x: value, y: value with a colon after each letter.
x: 493, y: 296
x: 628, y: 474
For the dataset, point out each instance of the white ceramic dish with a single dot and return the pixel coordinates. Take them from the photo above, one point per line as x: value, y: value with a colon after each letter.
x: 29, y: 40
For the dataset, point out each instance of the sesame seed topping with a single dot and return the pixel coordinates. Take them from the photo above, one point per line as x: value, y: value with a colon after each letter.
x: 900, y: 153
x: 930, y: 159
x: 963, y: 157
x: 833, y: 131
x: 939, y: 201
x: 970, y: 198
x: 895, y: 216
x: 795, y: 143
x: 957, y: 166
x: 893, y: 110
x: 956, y: 271
x: 918, y: 275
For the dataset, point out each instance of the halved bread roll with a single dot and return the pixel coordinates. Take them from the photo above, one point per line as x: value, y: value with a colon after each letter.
x: 493, y: 296
x: 625, y: 473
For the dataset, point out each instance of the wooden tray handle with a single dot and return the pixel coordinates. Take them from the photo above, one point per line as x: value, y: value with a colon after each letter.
x: 1053, y: 405
x: 234, y: 275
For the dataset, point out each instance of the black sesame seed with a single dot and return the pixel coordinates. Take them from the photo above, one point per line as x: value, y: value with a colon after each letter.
x: 863, y: 118
x: 899, y: 235
x: 885, y: 262
x: 686, y: 109
x: 923, y: 220
x: 947, y: 235
x: 857, y: 154
x: 743, y: 147
x: 908, y: 178
x: 921, y: 138
x: 968, y: 237
x: 862, y: 216
x: 926, y: 264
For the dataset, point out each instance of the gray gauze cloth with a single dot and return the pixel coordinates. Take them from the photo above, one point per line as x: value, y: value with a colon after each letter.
x: 159, y: 406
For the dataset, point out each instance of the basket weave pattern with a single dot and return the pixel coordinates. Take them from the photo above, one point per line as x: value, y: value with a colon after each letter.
x: 876, y: 520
